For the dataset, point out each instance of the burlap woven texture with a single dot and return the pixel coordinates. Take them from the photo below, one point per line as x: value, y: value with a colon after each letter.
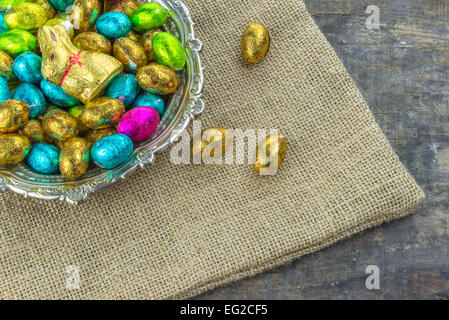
x: 174, y: 231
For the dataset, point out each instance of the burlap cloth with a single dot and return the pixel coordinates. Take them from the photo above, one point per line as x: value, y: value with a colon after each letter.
x: 173, y: 231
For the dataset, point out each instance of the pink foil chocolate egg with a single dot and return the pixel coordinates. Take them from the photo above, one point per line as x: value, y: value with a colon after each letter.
x: 139, y: 123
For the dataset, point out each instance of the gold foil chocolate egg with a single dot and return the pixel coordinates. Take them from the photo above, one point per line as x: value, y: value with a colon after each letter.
x: 102, y: 113
x: 94, y: 135
x: 158, y: 79
x: 13, y: 115
x: 82, y: 74
x: 48, y: 8
x: 6, y: 65
x: 75, y: 157
x: 76, y: 111
x: 13, y: 149
x: 269, y: 155
x: 60, y: 125
x: 26, y: 16
x: 134, y: 36
x: 93, y: 41
x: 255, y: 42
x: 147, y: 42
x: 130, y: 53
x: 33, y: 130
x: 85, y: 13
x: 212, y: 139
x: 56, y: 21
x: 124, y: 6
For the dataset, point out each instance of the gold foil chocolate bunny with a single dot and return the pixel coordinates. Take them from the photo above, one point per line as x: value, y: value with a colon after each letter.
x: 82, y: 74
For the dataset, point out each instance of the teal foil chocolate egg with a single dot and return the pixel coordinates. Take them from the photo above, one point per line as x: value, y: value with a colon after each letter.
x: 5, y: 91
x: 33, y: 97
x: 113, y: 25
x: 27, y: 67
x: 44, y: 158
x: 61, y: 5
x: 168, y: 51
x: 111, y: 151
x: 151, y: 100
x: 124, y: 88
x: 3, y: 25
x: 56, y: 95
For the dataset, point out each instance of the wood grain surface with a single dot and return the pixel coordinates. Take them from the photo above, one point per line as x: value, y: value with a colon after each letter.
x: 402, y: 70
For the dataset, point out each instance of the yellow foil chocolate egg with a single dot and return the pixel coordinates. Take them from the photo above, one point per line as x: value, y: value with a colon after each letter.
x: 130, y: 53
x: 33, y: 130
x: 158, y: 79
x: 93, y: 135
x: 13, y: 149
x: 147, y: 42
x: 270, y: 154
x: 85, y: 13
x: 255, y: 42
x: 75, y: 157
x: 102, y: 113
x: 60, y: 125
x: 212, y: 140
x: 26, y: 16
x: 13, y: 115
x: 93, y: 41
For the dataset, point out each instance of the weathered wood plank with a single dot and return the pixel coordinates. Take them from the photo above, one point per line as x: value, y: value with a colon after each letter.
x: 402, y: 70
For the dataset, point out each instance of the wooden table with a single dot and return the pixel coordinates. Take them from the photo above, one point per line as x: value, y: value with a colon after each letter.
x: 402, y: 70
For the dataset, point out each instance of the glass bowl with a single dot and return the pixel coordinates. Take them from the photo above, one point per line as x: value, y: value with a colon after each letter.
x: 183, y: 106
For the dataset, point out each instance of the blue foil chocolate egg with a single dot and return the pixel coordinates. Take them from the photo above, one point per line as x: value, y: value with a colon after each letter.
x: 33, y: 97
x: 151, y: 100
x: 113, y: 25
x: 27, y: 67
x: 44, y: 158
x: 56, y: 95
x: 5, y: 91
x: 124, y: 88
x: 111, y: 151
x: 3, y: 25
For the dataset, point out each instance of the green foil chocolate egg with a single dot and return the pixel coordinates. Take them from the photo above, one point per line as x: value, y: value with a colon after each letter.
x: 168, y: 51
x: 26, y: 16
x: 148, y: 16
x: 15, y: 42
x: 130, y: 53
x: 93, y: 41
x: 7, y: 4
x: 61, y: 5
x: 158, y: 79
